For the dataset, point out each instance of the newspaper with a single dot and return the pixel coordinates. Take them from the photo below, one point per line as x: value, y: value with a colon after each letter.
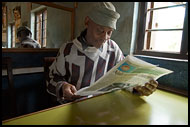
x: 127, y: 74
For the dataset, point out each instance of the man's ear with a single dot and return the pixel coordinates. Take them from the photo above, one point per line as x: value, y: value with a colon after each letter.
x: 86, y: 21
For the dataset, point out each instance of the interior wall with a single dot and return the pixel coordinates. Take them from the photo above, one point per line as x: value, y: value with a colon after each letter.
x: 59, y: 28
x: 58, y: 25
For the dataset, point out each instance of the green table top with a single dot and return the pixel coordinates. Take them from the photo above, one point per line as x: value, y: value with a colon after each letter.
x: 116, y: 108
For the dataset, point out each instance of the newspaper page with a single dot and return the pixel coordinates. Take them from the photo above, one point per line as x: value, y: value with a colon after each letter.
x: 127, y: 74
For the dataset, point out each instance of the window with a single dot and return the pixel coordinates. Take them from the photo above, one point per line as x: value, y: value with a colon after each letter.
x: 40, y: 27
x: 13, y: 38
x: 4, y: 25
x: 164, y: 27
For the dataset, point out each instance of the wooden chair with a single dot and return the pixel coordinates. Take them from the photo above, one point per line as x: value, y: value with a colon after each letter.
x: 47, y: 63
x: 10, y: 92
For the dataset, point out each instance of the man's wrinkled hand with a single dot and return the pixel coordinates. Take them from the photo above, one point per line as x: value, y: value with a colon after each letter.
x: 69, y: 92
x: 147, y: 89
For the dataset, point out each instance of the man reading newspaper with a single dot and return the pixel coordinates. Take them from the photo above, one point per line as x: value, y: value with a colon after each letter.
x: 82, y: 61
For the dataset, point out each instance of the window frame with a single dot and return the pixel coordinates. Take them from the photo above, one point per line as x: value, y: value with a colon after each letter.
x: 43, y: 37
x: 4, y: 23
x: 141, y: 26
x: 13, y: 35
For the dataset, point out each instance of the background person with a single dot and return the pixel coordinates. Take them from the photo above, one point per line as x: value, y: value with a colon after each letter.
x: 24, y: 35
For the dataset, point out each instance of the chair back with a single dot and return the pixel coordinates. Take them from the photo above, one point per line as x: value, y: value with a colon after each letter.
x: 10, y: 93
x: 47, y: 63
x: 52, y: 100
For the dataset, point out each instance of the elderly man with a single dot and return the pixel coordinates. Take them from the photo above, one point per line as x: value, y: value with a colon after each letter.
x: 24, y: 35
x: 84, y: 60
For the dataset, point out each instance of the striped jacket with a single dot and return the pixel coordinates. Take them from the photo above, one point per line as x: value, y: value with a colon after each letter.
x: 81, y: 67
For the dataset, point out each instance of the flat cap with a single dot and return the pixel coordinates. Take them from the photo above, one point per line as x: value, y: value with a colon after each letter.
x: 104, y: 13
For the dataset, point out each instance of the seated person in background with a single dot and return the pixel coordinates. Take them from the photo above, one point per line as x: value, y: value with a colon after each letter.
x: 81, y: 62
x: 24, y: 35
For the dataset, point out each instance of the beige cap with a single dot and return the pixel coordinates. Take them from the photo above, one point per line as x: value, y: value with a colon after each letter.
x: 104, y: 13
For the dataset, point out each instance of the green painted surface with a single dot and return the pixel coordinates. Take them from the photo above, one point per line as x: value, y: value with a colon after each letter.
x: 119, y: 107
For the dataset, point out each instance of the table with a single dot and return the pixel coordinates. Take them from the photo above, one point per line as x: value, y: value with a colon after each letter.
x: 115, y: 108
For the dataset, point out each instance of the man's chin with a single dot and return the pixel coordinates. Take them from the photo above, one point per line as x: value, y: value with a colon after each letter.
x: 98, y: 46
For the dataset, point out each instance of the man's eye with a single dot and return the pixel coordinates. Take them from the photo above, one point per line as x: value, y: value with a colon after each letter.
x: 110, y: 32
x: 100, y: 31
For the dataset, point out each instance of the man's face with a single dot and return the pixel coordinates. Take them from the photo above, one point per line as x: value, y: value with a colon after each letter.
x: 97, y: 34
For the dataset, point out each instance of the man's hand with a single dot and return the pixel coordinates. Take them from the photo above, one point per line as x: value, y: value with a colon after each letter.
x: 146, y: 90
x: 69, y: 92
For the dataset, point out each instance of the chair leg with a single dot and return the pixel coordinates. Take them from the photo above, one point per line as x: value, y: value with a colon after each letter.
x: 7, y: 63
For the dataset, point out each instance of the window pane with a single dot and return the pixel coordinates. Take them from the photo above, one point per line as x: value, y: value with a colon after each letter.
x: 38, y: 19
x: 4, y: 37
x: 14, y: 38
x: 44, y: 43
x: 169, y: 18
x: 4, y: 26
x: 39, y: 26
x: 164, y: 4
x: 166, y: 41
x: 44, y: 24
x: 44, y: 33
x: 45, y: 15
x: 41, y: 30
x: 37, y: 35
